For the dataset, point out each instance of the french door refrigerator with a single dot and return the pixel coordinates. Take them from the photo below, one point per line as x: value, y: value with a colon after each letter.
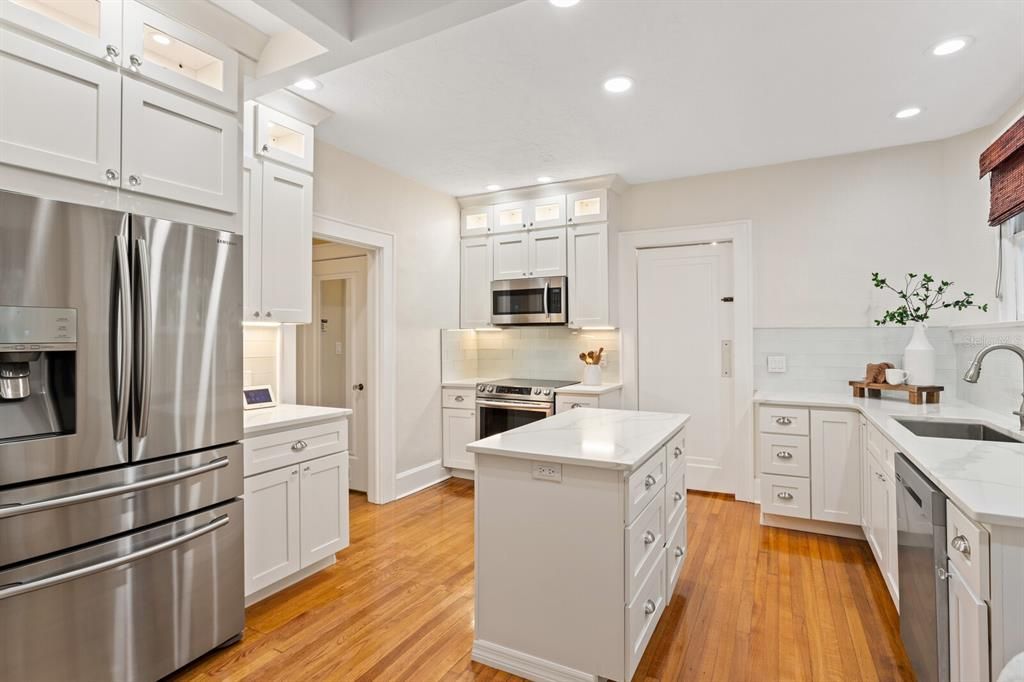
x: 120, y: 469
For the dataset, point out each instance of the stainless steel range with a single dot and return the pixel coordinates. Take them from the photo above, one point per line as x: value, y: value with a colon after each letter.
x: 509, y: 403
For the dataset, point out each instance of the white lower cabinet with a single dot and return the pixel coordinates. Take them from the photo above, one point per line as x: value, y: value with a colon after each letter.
x: 835, y: 466
x: 968, y: 632
x: 458, y: 429
x: 568, y: 400
x: 323, y: 494
x: 271, y: 527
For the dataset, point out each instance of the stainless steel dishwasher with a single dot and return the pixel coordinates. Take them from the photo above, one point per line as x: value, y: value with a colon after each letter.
x: 924, y: 595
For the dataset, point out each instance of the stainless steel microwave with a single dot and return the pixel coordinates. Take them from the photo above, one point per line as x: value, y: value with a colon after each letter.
x: 538, y: 300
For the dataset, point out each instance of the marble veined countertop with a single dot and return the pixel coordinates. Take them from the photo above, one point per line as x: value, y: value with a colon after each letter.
x: 286, y: 416
x: 610, y: 439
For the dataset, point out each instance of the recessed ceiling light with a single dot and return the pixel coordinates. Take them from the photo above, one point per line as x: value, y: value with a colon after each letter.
x: 618, y: 84
x: 161, y: 39
x: 950, y: 46
x: 493, y: 188
x: 564, y: 3
x: 545, y: 178
x: 308, y: 84
x: 909, y: 112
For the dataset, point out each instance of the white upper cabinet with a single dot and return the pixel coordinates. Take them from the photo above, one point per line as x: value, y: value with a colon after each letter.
x: 283, y: 139
x: 511, y: 217
x: 252, y: 232
x: 475, y: 283
x: 546, y: 212
x: 546, y: 253
x: 90, y: 26
x: 161, y: 49
x: 59, y: 113
x: 588, y: 269
x: 287, y: 245
x: 178, y: 149
x: 587, y: 207
x: 477, y: 221
x: 511, y: 255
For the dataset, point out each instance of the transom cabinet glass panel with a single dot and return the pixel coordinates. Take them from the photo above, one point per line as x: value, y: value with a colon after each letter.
x: 477, y: 220
x: 588, y: 207
x: 283, y: 139
x: 91, y: 26
x: 510, y: 217
x: 548, y: 212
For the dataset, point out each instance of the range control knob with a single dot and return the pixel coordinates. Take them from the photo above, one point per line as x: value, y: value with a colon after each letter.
x: 547, y: 391
x: 490, y: 389
x: 536, y: 391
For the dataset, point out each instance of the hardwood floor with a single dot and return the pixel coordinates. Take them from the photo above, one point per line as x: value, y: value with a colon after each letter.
x: 752, y: 603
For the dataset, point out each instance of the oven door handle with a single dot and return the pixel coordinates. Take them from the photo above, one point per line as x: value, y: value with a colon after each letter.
x: 33, y: 585
x: 547, y: 313
x: 523, y: 406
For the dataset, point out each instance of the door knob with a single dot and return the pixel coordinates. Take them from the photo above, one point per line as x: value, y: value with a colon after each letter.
x: 357, y: 387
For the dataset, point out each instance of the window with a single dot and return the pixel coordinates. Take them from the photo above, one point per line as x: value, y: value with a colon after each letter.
x: 1010, y: 281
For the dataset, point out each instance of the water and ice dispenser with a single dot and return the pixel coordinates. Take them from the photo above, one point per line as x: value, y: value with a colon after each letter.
x: 37, y: 371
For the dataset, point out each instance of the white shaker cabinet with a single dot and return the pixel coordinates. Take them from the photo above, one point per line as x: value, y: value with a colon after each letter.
x: 587, y: 207
x: 92, y: 27
x: 458, y: 429
x: 968, y: 632
x: 252, y: 229
x: 882, y: 537
x: 272, y: 527
x: 178, y: 149
x: 60, y: 113
x: 323, y: 486
x: 835, y: 466
x: 283, y: 139
x: 547, y: 253
x: 546, y: 212
x: 475, y: 282
x: 511, y: 255
x: 511, y: 217
x: 588, y: 270
x: 477, y: 221
x: 286, y: 236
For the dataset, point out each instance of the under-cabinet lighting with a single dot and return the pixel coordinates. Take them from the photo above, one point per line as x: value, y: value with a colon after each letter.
x: 261, y: 324
x: 909, y: 112
x: 951, y: 46
x: 598, y: 329
x: 488, y: 329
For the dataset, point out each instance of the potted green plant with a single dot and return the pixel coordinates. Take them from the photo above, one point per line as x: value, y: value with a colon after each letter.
x: 920, y: 296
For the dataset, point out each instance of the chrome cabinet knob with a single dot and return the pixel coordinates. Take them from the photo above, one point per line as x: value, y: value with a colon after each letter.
x: 678, y: 496
x: 112, y: 174
x: 677, y: 452
x: 649, y: 481
x: 265, y: 148
x: 256, y: 314
x: 648, y: 537
x: 112, y: 53
x: 785, y: 496
x: 650, y: 607
x: 960, y: 544
x: 135, y: 61
x: 295, y: 472
x: 134, y: 180
x: 783, y: 421
x: 267, y: 314
x: 679, y: 552
x: 305, y: 468
x: 782, y: 454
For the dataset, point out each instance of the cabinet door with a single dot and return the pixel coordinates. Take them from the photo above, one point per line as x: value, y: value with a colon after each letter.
x: 587, y: 207
x: 477, y: 221
x: 271, y: 527
x: 511, y: 255
x: 879, y: 514
x: 178, y: 149
x: 546, y: 212
x: 286, y: 284
x: 547, y: 253
x: 91, y: 26
x: 865, y: 480
x: 892, y: 573
x: 324, y: 517
x: 252, y: 222
x: 59, y: 113
x: 161, y: 49
x: 588, y: 276
x: 510, y: 217
x: 458, y: 429
x: 475, y: 284
x: 283, y: 139
x: 968, y: 632
x: 835, y: 466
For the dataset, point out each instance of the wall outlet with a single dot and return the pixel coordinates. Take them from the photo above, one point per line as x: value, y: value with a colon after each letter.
x: 547, y: 472
x: 777, y: 363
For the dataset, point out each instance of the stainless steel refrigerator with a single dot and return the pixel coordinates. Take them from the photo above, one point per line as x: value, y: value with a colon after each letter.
x: 120, y: 469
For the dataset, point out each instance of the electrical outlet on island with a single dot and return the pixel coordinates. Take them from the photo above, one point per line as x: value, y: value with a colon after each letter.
x: 545, y: 471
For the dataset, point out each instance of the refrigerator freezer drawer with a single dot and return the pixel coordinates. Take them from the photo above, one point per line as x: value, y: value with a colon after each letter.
x: 134, y: 608
x: 48, y: 517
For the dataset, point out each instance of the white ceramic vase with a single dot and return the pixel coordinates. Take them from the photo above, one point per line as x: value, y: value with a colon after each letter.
x: 919, y: 358
x: 591, y: 375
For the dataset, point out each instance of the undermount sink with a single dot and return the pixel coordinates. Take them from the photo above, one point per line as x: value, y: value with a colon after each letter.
x: 957, y: 430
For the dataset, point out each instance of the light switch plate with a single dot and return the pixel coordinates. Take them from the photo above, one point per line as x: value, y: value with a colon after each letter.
x: 777, y: 363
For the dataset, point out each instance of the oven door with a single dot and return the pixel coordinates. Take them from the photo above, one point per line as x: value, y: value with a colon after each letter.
x: 538, y: 300
x: 498, y: 416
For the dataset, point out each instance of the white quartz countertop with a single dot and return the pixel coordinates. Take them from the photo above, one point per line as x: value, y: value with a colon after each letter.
x: 286, y: 416
x: 984, y: 479
x: 464, y: 383
x: 610, y: 439
x: 581, y: 389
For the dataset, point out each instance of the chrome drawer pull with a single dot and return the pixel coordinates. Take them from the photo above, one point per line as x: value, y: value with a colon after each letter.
x: 650, y: 607
x: 960, y: 544
x: 299, y: 445
x: 459, y: 398
x: 679, y: 552
x: 783, y: 421
x: 648, y: 537
x: 782, y: 454
x: 785, y: 496
x: 649, y: 481
x: 677, y: 452
x: 678, y: 496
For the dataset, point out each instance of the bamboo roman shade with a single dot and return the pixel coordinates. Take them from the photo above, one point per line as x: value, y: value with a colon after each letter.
x: 1005, y: 160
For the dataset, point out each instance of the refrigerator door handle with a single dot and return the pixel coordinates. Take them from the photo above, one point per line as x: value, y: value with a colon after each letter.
x: 144, y: 358
x: 49, y: 581
x: 124, y: 318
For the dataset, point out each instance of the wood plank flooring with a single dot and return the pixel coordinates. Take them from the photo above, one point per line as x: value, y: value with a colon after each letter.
x: 752, y: 603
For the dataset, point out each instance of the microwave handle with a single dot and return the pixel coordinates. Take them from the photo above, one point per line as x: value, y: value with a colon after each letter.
x: 546, y: 313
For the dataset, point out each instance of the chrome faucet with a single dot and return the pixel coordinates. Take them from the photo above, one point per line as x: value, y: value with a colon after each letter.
x: 974, y: 371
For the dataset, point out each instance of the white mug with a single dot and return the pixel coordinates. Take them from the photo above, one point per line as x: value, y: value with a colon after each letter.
x: 896, y: 376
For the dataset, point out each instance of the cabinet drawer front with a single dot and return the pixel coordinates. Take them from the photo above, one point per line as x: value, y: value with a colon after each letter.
x: 459, y: 398
x: 967, y: 545
x: 783, y: 420
x: 786, y: 495
x: 273, y: 450
x: 644, y: 484
x: 675, y: 494
x: 676, y: 450
x: 564, y: 403
x: 675, y: 554
x: 645, y: 539
x: 785, y: 455
x: 643, y: 613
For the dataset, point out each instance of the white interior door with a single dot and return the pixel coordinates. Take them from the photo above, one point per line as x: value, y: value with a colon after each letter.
x: 684, y: 349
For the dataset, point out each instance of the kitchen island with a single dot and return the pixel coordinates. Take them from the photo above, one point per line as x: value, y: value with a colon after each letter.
x: 580, y: 536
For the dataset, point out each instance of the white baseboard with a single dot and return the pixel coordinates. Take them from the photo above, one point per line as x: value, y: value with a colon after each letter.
x: 416, y: 479
x: 464, y: 474
x: 842, y: 530
x: 525, y: 665
x: 288, y: 581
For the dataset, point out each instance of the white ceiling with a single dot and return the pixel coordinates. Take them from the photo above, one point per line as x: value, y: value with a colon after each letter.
x: 719, y: 85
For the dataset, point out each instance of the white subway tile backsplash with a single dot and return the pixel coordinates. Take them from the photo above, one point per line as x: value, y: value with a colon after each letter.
x: 1000, y: 386
x: 259, y: 356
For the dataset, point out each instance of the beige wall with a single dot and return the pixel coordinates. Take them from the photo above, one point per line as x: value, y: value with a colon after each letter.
x: 332, y: 364
x: 425, y: 223
x: 821, y: 227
